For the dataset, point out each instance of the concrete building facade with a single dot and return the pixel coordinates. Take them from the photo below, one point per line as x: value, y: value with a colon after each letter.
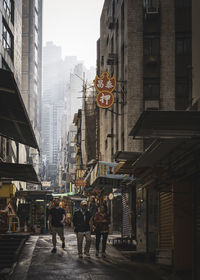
x: 32, y: 68
x: 148, y: 46
x: 12, y: 59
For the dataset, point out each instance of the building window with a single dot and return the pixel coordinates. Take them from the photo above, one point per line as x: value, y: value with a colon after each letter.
x: 183, y: 46
x: 106, y: 144
x: 7, y: 39
x: 36, y: 55
x: 151, y: 90
x: 182, y: 89
x: 36, y: 20
x: 35, y: 87
x: 36, y: 37
x: 183, y: 3
x: 102, y: 60
x: 151, y: 46
x: 73, y: 155
x: 36, y: 5
x: 151, y: 5
x: 35, y: 72
x: 9, y: 8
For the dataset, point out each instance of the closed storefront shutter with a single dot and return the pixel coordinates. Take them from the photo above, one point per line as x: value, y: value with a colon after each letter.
x: 165, y: 250
x: 197, y: 233
x: 125, y: 218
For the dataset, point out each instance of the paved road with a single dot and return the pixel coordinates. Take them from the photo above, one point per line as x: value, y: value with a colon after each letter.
x: 38, y: 263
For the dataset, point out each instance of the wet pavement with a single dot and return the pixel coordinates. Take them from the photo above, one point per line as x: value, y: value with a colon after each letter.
x: 38, y: 263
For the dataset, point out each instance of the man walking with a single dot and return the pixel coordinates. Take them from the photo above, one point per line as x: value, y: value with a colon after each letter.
x: 56, y: 222
x: 82, y: 221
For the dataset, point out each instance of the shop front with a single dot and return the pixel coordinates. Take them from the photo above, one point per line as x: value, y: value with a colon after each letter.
x: 33, y: 213
x: 107, y: 182
x: 170, y: 167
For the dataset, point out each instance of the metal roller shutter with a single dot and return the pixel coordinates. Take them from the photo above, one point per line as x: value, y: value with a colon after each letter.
x: 166, y: 221
x: 165, y: 244
x: 125, y: 218
x: 197, y: 233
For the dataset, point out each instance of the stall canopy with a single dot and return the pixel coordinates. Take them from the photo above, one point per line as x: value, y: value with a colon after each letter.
x: 34, y: 195
x: 103, y: 175
x: 14, y: 121
x: 18, y: 172
x: 167, y: 124
x: 125, y: 159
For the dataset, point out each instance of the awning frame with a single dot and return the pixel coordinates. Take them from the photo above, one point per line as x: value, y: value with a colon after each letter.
x: 14, y: 119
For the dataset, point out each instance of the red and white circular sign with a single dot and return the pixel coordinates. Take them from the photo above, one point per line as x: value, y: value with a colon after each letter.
x: 105, y: 99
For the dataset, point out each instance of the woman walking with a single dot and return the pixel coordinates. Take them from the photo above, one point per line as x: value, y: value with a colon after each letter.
x: 101, y: 223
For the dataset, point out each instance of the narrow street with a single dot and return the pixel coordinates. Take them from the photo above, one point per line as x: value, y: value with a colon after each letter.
x: 37, y: 262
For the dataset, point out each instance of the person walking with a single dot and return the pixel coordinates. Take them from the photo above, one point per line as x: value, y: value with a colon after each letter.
x: 56, y: 224
x: 93, y: 206
x: 82, y: 221
x: 101, y: 223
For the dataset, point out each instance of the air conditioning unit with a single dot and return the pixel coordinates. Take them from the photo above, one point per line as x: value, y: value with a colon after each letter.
x: 151, y: 6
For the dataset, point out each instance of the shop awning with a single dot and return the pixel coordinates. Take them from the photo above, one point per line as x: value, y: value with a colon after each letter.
x: 167, y: 124
x: 158, y: 150
x: 14, y: 121
x: 124, y: 155
x: 161, y: 154
x: 103, y: 175
x: 125, y: 160
x: 63, y: 194
x: 18, y: 172
x: 34, y: 195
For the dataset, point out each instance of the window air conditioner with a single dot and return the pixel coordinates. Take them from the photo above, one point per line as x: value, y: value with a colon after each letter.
x: 152, y: 10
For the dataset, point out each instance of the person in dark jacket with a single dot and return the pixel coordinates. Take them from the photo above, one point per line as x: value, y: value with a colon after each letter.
x: 101, y: 223
x: 82, y: 221
x: 56, y: 223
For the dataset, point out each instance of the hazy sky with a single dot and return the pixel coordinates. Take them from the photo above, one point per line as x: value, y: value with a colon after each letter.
x: 73, y: 25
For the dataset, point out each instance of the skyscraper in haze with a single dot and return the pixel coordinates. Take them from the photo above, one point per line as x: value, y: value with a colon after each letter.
x: 32, y: 68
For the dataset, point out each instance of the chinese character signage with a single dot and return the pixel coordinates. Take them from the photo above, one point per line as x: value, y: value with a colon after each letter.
x: 105, y: 86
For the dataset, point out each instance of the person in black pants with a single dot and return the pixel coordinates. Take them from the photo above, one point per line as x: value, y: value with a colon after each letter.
x: 82, y: 221
x: 101, y: 223
x: 56, y: 223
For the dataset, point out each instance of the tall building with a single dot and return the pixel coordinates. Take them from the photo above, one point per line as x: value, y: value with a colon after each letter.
x: 11, y: 60
x: 151, y: 49
x: 62, y: 96
x: 15, y: 123
x: 32, y: 68
x: 53, y: 106
x: 70, y: 158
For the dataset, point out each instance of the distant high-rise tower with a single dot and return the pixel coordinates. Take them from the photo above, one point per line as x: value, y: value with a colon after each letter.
x: 53, y: 104
x: 32, y: 67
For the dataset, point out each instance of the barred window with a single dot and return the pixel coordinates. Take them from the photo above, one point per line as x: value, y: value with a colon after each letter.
x: 9, y: 8
x: 7, y: 39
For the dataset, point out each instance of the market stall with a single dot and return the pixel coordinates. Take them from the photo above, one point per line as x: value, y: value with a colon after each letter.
x: 33, y: 213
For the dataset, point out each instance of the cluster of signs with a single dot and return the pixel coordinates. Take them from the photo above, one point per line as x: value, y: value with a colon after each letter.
x: 106, y: 170
x: 105, y: 86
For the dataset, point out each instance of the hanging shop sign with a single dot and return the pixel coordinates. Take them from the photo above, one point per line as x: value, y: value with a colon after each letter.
x: 80, y: 183
x: 105, y: 86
